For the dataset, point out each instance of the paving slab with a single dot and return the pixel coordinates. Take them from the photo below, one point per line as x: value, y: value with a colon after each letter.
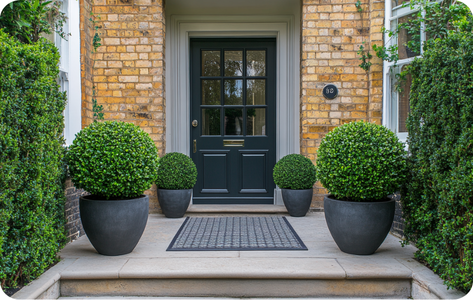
x: 247, y: 268
x: 367, y: 267
x: 94, y: 267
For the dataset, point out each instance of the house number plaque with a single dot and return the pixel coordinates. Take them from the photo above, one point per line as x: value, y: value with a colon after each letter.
x: 330, y: 91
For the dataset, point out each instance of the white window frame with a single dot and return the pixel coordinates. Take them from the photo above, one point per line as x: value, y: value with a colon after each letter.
x: 69, y: 69
x: 390, y: 103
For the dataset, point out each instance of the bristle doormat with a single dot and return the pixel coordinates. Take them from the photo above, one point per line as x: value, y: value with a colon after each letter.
x: 236, y: 234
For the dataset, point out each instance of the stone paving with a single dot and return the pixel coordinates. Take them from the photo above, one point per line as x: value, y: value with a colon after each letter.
x: 323, y: 261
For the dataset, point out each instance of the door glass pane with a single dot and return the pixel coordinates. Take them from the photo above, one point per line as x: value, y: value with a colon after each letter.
x: 234, y: 92
x: 211, y: 121
x: 256, y: 121
x: 404, y: 37
x: 233, y: 63
x: 404, y: 104
x: 255, y: 92
x: 255, y: 63
x: 233, y: 124
x: 210, y: 92
x: 210, y: 63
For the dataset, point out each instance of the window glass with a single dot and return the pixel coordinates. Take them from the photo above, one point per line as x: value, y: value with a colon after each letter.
x: 210, y: 63
x: 404, y: 103
x: 233, y: 63
x: 404, y: 37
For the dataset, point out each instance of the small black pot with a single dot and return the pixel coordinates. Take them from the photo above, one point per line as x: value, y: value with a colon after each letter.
x: 114, y: 227
x: 297, y: 202
x: 358, y: 227
x: 174, y: 203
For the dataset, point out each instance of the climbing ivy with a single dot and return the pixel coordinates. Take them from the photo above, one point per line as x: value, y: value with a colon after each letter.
x: 96, y: 108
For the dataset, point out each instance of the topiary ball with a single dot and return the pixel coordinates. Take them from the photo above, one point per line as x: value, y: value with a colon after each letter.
x: 361, y: 161
x: 113, y: 160
x: 295, y: 172
x: 176, y: 171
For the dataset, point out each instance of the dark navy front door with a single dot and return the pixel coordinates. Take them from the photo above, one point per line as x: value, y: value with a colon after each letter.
x: 233, y: 114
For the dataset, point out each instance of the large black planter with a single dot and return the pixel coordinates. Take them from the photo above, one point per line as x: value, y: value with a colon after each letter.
x: 174, y: 203
x: 114, y: 227
x: 358, y: 227
x: 297, y: 202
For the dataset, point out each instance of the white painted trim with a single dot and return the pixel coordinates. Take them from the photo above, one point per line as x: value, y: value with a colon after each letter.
x: 72, y: 113
x: 182, y: 27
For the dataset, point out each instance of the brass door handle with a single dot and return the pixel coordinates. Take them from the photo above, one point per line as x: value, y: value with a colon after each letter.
x: 195, y: 123
x: 195, y: 146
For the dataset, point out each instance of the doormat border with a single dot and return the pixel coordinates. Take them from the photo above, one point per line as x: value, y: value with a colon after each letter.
x: 296, y: 236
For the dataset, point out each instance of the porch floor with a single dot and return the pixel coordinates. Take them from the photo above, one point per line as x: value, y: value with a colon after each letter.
x: 149, y: 270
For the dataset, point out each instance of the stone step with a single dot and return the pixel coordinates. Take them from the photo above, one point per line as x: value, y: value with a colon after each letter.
x: 191, y: 298
x: 236, y: 209
x: 232, y: 277
x: 238, y: 288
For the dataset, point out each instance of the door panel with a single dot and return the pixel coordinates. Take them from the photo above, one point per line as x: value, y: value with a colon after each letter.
x: 253, y: 166
x: 214, y: 175
x: 233, y: 111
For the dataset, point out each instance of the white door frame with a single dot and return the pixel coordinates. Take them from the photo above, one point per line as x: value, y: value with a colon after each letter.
x: 179, y: 32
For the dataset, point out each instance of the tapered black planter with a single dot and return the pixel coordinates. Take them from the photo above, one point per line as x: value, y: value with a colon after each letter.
x: 297, y: 202
x: 358, y: 227
x: 174, y: 203
x: 114, y: 227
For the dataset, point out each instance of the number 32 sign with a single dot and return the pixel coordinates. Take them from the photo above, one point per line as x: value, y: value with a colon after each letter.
x: 330, y: 91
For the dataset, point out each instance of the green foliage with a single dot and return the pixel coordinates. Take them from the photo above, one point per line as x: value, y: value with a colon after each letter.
x: 365, y: 58
x: 437, y: 200
x: 96, y: 108
x: 31, y: 159
x: 26, y: 20
x: 358, y: 6
x: 113, y: 160
x: 294, y: 171
x: 361, y: 161
x: 176, y: 171
x: 439, y: 19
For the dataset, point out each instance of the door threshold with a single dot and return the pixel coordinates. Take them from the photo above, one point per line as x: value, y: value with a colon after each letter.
x: 237, y: 208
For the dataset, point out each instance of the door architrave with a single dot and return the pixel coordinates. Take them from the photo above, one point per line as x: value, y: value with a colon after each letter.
x: 183, y: 27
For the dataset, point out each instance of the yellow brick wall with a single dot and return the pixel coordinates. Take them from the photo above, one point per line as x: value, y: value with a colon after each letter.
x: 128, y: 70
x: 332, y: 32
x: 86, y: 35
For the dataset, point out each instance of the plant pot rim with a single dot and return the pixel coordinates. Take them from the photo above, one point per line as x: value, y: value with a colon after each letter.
x: 174, y: 189
x: 297, y: 189
x: 88, y: 198
x: 331, y: 197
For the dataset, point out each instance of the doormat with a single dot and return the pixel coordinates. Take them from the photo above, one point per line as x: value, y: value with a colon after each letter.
x: 236, y: 234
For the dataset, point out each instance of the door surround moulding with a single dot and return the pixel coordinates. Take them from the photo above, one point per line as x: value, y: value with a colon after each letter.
x: 183, y: 27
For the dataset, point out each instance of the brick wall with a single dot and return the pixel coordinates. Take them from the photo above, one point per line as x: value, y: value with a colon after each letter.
x: 397, y: 227
x: 74, y: 227
x: 332, y: 32
x: 128, y: 69
x: 86, y: 36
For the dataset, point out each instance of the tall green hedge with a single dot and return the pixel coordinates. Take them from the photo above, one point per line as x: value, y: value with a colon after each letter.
x: 31, y: 159
x: 437, y: 200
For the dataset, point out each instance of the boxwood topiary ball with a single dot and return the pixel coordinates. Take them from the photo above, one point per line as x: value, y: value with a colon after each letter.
x: 361, y: 161
x: 176, y: 171
x: 113, y: 160
x: 294, y: 171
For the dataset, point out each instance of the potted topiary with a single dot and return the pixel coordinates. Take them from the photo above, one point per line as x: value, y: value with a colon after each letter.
x: 295, y: 174
x: 360, y: 164
x: 176, y: 177
x: 115, y: 162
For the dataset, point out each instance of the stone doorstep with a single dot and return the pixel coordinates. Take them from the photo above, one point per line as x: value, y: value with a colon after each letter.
x: 244, y: 209
x: 302, y: 277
